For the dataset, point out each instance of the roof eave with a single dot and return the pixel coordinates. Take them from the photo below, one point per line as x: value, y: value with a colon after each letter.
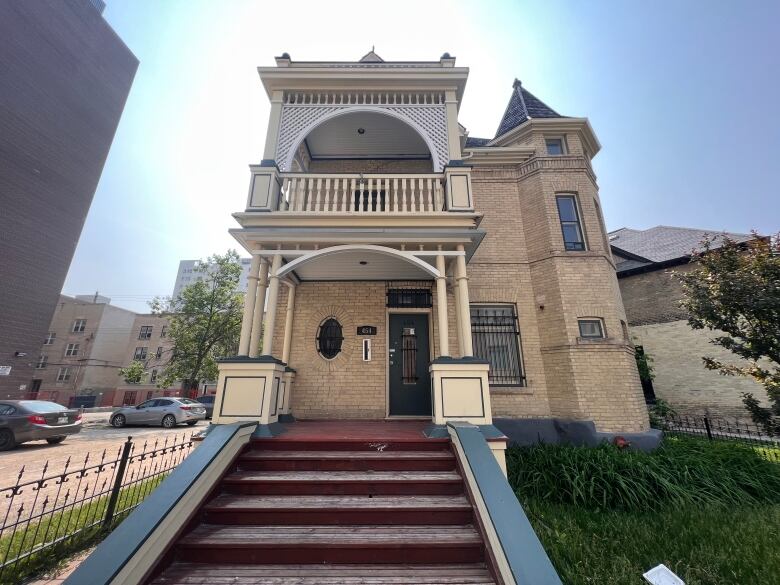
x: 580, y: 125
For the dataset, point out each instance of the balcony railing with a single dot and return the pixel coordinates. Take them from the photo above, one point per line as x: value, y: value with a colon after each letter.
x: 362, y: 193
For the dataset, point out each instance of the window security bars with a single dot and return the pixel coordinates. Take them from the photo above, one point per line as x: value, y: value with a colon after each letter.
x: 330, y: 338
x: 496, y: 338
x: 719, y: 429
x: 409, y: 349
x: 409, y: 295
x: 49, y: 514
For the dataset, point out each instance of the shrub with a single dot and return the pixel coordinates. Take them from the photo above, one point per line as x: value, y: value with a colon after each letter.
x: 682, y: 471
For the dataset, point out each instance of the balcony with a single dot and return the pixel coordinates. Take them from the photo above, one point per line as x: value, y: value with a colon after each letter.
x: 362, y: 193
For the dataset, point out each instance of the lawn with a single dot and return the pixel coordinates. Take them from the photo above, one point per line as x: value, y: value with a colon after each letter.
x: 606, y: 516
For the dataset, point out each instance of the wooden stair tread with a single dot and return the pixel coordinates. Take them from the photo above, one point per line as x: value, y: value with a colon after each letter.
x: 215, y: 535
x: 316, y: 455
x: 303, y: 502
x: 224, y: 574
x: 342, y: 476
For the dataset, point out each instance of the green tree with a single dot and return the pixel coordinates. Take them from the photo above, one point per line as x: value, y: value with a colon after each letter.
x: 735, y: 291
x: 134, y: 373
x: 205, y: 321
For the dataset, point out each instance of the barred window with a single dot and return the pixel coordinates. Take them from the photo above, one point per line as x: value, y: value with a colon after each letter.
x: 329, y: 338
x: 496, y: 338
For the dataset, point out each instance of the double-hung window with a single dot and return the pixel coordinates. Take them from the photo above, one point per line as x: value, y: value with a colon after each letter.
x: 496, y: 338
x: 72, y: 350
x: 571, y: 226
x: 42, y: 361
x: 146, y: 332
x: 140, y: 353
x: 50, y: 338
x: 79, y: 325
x: 63, y: 374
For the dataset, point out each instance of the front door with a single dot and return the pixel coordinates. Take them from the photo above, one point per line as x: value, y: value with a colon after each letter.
x: 410, y: 384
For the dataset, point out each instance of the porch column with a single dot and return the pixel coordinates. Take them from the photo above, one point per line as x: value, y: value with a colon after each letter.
x: 458, y: 325
x: 249, y: 306
x: 288, y: 323
x: 441, y: 306
x: 273, y: 298
x: 257, y: 319
x: 463, y: 303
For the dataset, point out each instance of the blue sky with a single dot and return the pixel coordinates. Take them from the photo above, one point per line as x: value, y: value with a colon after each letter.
x: 682, y: 95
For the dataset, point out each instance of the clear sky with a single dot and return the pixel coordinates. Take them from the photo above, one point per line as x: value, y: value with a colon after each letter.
x: 684, y: 97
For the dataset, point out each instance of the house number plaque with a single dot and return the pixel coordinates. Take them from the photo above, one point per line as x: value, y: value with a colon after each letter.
x: 366, y: 330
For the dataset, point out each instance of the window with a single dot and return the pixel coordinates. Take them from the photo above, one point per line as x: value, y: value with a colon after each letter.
x: 149, y: 394
x: 6, y: 410
x: 624, y: 327
x: 50, y: 338
x: 555, y: 146
x: 153, y: 377
x: 63, y: 374
x: 570, y: 222
x: 496, y: 338
x: 163, y: 331
x: 72, y: 350
x: 329, y: 338
x: 146, y: 332
x: 140, y: 353
x: 158, y: 353
x: 591, y: 328
x: 79, y: 325
x: 410, y: 298
x: 129, y: 398
x: 164, y: 402
x: 42, y: 362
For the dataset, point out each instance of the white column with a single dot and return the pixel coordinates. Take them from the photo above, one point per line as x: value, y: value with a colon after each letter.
x: 441, y: 306
x: 458, y: 324
x: 463, y: 305
x: 274, y: 119
x: 249, y: 306
x: 273, y: 298
x: 288, y: 324
x: 257, y: 319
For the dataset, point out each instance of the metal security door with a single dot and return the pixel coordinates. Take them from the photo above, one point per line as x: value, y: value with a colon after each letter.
x: 410, y: 384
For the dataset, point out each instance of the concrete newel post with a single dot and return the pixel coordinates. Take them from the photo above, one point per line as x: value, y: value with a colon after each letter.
x: 257, y: 318
x: 441, y: 307
x: 273, y: 298
x: 249, y: 306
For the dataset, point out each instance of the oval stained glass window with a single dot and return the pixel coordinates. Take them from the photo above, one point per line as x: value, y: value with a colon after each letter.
x: 329, y: 338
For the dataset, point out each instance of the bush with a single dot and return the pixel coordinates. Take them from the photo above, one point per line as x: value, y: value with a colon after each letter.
x: 681, y: 472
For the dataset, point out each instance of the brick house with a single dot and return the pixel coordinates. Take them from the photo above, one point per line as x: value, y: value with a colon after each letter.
x: 409, y: 270
x: 646, y: 261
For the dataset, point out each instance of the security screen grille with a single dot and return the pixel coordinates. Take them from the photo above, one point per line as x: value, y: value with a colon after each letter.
x: 495, y: 337
x: 409, y: 295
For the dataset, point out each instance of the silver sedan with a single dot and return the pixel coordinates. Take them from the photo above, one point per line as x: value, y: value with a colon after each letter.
x: 166, y: 412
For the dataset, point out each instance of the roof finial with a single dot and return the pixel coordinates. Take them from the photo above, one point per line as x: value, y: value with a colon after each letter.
x: 517, y: 83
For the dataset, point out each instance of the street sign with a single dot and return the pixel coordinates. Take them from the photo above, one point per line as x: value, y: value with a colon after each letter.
x: 662, y: 575
x: 5, y: 370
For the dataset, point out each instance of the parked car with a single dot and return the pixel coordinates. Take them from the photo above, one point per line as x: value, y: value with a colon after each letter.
x: 208, y: 402
x: 167, y: 412
x: 34, y: 420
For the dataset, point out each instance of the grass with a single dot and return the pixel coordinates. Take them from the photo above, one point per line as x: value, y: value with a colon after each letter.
x: 83, y: 523
x: 708, y: 511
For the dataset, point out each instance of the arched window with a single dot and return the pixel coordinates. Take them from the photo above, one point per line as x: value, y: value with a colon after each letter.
x: 329, y: 338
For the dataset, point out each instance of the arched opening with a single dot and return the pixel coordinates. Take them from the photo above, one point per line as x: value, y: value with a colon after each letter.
x: 361, y: 140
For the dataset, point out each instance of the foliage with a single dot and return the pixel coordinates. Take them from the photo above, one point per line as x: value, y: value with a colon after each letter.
x: 205, y: 321
x: 703, y: 545
x: 659, y: 412
x: 644, y: 364
x: 735, y: 291
x: 681, y: 472
x: 134, y: 373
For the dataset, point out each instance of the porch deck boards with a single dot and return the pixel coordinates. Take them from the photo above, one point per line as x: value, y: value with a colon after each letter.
x: 342, y: 476
x: 319, y: 455
x: 355, y: 430
x: 301, y: 503
x: 198, y: 574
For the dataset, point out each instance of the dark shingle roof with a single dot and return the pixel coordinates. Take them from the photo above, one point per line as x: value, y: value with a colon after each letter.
x: 522, y: 106
x: 637, y: 248
x: 474, y: 142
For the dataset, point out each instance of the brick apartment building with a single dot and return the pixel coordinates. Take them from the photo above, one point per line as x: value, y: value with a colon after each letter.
x: 66, y: 76
x: 646, y: 261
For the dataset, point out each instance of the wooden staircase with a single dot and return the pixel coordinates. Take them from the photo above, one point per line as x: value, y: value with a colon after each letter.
x: 333, y: 512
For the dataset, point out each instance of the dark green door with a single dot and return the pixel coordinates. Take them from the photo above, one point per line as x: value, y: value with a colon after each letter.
x: 410, y: 383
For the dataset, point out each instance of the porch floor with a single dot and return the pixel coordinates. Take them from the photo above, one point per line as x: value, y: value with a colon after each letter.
x: 355, y: 430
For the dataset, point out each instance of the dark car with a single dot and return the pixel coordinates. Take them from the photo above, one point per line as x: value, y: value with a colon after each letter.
x: 35, y: 420
x: 208, y: 402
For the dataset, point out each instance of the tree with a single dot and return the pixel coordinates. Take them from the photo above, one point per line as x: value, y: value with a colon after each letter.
x: 205, y: 321
x: 735, y: 291
x: 134, y: 373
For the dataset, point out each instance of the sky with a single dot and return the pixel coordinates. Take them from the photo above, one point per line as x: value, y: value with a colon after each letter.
x: 682, y: 95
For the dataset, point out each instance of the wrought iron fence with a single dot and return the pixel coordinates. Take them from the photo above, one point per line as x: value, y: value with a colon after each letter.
x: 720, y: 429
x: 47, y: 514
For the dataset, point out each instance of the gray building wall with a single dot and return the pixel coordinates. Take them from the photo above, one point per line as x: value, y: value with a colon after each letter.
x: 65, y: 78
